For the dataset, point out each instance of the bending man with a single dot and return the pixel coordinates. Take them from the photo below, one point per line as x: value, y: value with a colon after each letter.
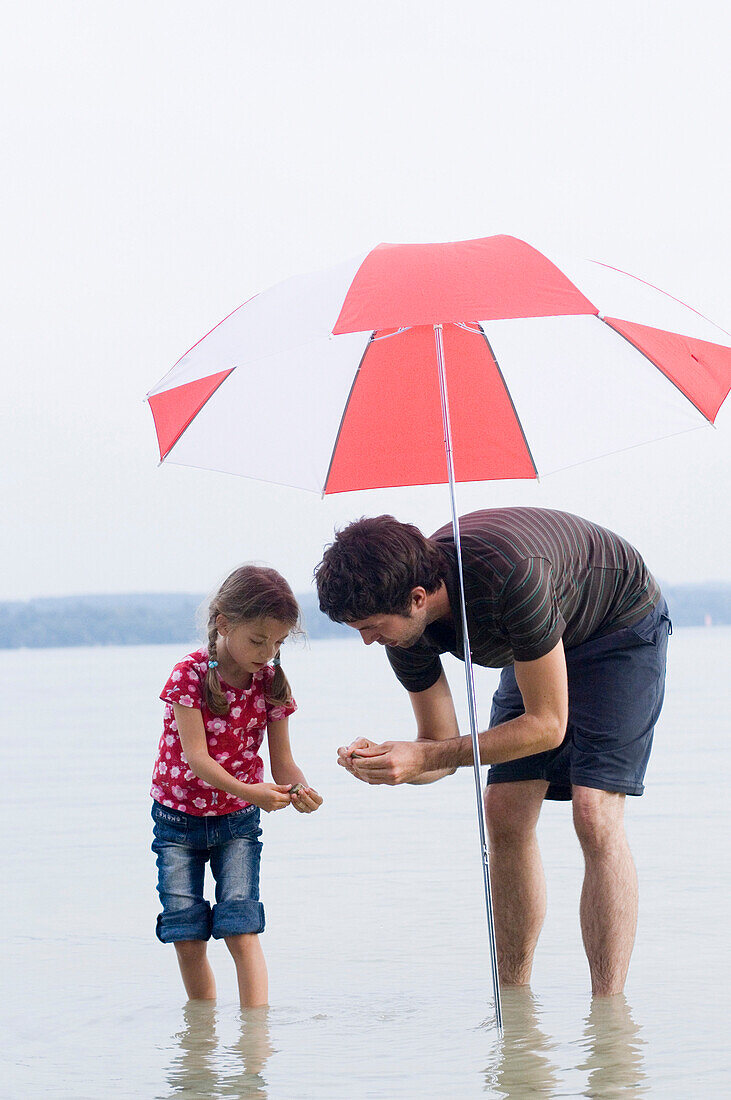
x: 579, y: 626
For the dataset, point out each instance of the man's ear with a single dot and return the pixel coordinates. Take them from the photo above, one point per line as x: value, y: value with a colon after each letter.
x: 418, y: 598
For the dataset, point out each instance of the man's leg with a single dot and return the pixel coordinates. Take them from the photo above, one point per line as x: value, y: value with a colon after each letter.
x: 609, y: 895
x: 516, y: 871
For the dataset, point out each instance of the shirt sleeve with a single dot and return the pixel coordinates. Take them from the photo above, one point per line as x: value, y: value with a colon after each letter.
x: 417, y: 668
x: 277, y: 711
x: 184, y: 686
x: 529, y: 611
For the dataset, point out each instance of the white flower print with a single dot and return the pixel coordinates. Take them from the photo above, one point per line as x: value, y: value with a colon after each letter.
x: 235, y: 711
x: 178, y: 792
x: 259, y: 703
x: 231, y: 696
x: 213, y: 741
x: 253, y: 723
x: 199, y: 802
x: 167, y: 802
x: 174, y: 725
x: 169, y: 739
x: 175, y: 772
x: 162, y: 767
x: 189, y: 775
x: 185, y: 701
x: 156, y: 793
x: 216, y: 725
x: 221, y: 756
x: 235, y: 763
x: 176, y: 675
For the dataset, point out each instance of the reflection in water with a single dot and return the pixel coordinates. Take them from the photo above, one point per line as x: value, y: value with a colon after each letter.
x: 202, y: 1067
x: 522, y: 1066
x: 610, y: 1052
x: 613, y: 1050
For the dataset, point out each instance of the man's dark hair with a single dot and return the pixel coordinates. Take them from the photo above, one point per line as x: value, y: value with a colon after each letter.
x: 372, y: 567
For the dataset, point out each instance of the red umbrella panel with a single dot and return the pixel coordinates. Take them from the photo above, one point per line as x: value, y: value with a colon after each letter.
x: 548, y: 364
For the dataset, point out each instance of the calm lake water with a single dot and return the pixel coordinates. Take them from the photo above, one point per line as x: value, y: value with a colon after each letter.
x: 376, y: 941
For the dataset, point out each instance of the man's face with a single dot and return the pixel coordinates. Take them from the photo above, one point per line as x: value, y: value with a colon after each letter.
x: 399, y: 630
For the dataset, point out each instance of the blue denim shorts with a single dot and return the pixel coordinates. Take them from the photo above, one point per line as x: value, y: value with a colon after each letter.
x: 616, y: 690
x: 183, y: 845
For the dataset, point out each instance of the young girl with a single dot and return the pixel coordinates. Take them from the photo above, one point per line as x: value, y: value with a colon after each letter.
x: 208, y: 786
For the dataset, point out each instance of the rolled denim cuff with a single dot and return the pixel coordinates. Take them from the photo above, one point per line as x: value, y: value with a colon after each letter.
x: 236, y: 918
x: 193, y: 923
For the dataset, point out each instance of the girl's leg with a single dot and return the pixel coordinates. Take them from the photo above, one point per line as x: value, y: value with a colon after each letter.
x: 238, y: 915
x: 195, y: 970
x: 186, y: 916
x: 251, y: 969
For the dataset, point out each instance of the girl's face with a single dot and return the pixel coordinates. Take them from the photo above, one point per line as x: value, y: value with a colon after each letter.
x: 252, y: 644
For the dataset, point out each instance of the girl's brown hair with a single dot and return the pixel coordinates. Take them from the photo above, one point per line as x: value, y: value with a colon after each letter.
x: 250, y: 592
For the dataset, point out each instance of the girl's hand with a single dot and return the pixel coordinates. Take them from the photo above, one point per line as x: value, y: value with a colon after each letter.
x: 270, y: 796
x: 305, y: 799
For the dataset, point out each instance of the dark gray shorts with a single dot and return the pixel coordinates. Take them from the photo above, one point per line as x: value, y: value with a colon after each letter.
x: 616, y: 689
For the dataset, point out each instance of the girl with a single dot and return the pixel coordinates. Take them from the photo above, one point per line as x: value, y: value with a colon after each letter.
x: 208, y: 786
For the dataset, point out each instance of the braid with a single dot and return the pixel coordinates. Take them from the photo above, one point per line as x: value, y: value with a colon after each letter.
x: 280, y: 693
x: 216, y: 700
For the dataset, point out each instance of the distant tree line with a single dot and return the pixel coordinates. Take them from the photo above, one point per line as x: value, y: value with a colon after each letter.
x: 144, y: 619
x: 162, y: 618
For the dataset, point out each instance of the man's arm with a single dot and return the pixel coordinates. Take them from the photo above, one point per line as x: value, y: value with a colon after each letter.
x: 544, y: 688
x: 435, y: 721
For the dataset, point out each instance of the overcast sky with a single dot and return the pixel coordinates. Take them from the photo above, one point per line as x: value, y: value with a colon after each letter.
x: 163, y: 161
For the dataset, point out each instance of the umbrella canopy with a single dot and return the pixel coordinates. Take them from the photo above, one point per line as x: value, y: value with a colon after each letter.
x: 548, y: 364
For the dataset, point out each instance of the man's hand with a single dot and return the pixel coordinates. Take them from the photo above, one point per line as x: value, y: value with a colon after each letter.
x: 391, y: 763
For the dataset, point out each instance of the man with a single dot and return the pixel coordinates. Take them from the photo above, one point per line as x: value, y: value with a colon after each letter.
x: 571, y: 614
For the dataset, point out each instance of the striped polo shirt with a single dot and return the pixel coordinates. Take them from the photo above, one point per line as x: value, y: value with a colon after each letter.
x: 531, y: 576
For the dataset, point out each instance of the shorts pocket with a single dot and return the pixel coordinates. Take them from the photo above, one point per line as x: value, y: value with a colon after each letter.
x: 170, y: 825
x: 245, y: 823
x: 650, y: 629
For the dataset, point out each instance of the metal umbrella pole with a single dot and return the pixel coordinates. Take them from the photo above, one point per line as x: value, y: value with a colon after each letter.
x: 471, y: 701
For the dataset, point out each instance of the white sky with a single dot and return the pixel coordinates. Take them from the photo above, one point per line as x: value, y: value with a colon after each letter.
x: 163, y: 161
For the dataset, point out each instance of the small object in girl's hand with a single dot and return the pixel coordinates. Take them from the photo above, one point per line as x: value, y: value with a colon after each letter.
x: 297, y: 787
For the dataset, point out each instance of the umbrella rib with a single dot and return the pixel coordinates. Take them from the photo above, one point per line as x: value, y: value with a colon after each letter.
x: 345, y: 412
x: 649, y: 359
x: 510, y: 399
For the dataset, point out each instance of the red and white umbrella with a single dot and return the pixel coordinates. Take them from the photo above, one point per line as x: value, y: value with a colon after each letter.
x: 547, y: 366
x: 423, y: 364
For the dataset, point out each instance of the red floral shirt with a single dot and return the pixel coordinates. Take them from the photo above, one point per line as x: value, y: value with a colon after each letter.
x: 234, y: 739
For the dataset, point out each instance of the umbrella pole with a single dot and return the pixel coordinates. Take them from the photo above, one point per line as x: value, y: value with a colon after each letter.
x: 471, y: 701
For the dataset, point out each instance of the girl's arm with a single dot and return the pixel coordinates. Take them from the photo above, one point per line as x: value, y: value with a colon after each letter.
x: 268, y: 796
x: 285, y: 771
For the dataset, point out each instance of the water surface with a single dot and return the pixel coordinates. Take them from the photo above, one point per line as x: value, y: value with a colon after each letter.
x: 376, y: 942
